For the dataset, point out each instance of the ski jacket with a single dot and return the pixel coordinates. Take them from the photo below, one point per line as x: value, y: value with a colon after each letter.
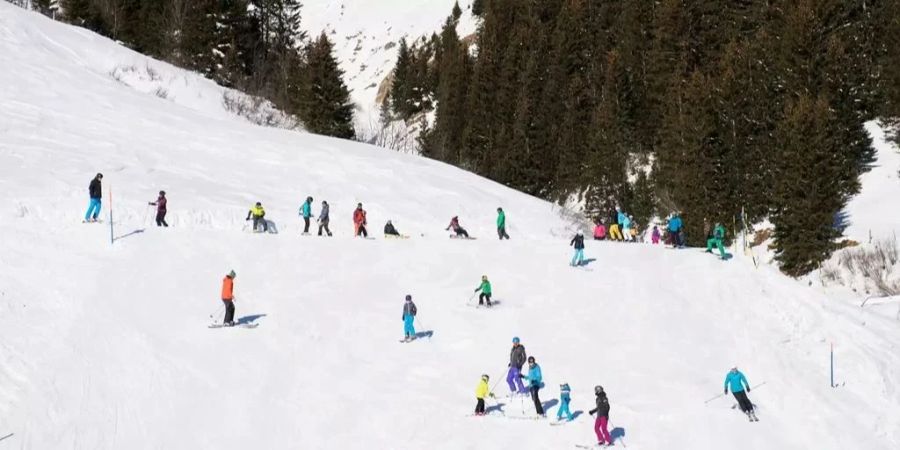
x: 228, y: 288
x: 735, y: 380
x: 622, y: 219
x: 600, y: 231
x: 501, y: 219
x: 625, y: 221
x: 257, y: 211
x: 578, y: 242
x: 323, y: 216
x: 485, y: 287
x: 614, y: 218
x: 655, y: 234
x: 565, y: 393
x: 482, y: 390
x: 389, y: 229
x: 719, y: 232
x: 602, y: 409
x: 454, y: 224
x: 517, y: 356
x: 306, y: 210
x: 409, y: 309
x: 534, y: 375
x: 675, y: 224
x: 161, y: 204
x: 359, y: 216
x: 94, y: 189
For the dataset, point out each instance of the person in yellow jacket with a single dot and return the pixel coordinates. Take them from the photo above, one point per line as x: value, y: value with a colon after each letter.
x: 482, y: 391
x: 258, y: 214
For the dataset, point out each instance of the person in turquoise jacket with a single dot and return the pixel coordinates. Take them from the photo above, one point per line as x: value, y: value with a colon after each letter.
x: 737, y: 382
x: 535, y: 383
x: 565, y: 396
x: 306, y: 213
x: 717, y: 237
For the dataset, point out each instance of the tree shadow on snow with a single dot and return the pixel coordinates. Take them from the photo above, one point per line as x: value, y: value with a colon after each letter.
x: 249, y: 319
x: 617, y: 433
x: 423, y: 334
x: 132, y: 233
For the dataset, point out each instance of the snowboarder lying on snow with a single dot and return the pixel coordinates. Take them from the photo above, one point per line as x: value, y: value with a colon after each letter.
x: 258, y: 214
x: 409, y: 314
x: 565, y: 396
x: 160, y: 205
x: 737, y: 382
x: 602, y: 411
x: 535, y: 383
x: 485, y: 289
x: 460, y: 231
x: 482, y: 391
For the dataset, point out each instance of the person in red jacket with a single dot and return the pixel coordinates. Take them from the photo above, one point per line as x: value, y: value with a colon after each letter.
x: 228, y: 298
x: 359, y: 221
x: 160, y: 205
x: 459, y: 230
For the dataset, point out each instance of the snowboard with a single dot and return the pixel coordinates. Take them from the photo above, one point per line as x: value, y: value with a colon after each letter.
x: 470, y: 238
x: 237, y: 325
x: 407, y: 341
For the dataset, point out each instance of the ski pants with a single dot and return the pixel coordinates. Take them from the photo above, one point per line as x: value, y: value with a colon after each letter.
x: 501, y: 231
x: 323, y: 224
x: 408, y: 328
x: 514, y: 381
x: 614, y: 233
x: 743, y: 401
x: 600, y: 424
x: 626, y: 234
x: 479, y: 406
x: 229, y: 310
x: 461, y: 232
x: 161, y: 219
x: 578, y: 257
x: 361, y: 230
x: 482, y: 297
x: 306, y: 225
x: 93, y: 210
x: 717, y: 243
x: 260, y: 220
x: 564, y: 410
x: 538, y: 407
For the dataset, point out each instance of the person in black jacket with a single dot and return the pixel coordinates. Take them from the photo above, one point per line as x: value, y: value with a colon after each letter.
x: 324, y: 218
x: 602, y: 420
x: 578, y: 243
x: 95, y: 190
x: 390, y: 230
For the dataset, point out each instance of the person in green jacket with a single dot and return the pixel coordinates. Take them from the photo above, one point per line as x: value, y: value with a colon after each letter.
x: 485, y: 289
x: 501, y: 224
x: 718, y: 235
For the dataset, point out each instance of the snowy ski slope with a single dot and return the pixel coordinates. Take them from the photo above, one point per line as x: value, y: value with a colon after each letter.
x: 106, y: 347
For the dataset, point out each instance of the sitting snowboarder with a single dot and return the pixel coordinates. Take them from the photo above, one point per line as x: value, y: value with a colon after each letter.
x: 391, y: 231
x: 454, y: 225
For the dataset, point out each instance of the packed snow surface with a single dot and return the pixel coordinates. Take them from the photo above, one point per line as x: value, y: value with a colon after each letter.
x: 868, y: 213
x: 107, y: 346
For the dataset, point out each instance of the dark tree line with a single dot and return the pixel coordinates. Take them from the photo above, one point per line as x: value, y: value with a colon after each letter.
x: 707, y: 107
x: 256, y: 46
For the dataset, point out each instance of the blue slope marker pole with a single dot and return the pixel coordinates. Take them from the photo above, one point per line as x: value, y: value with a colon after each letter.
x: 832, y: 364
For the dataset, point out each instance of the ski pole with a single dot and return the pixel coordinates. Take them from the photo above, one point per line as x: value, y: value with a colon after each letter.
x: 146, y: 214
x: 720, y: 395
x: 217, y: 312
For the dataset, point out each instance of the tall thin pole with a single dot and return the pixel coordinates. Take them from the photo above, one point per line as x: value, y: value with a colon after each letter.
x: 112, y: 238
x: 832, y: 364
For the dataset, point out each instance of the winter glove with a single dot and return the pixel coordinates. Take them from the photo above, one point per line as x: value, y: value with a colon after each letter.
x: 748, y: 389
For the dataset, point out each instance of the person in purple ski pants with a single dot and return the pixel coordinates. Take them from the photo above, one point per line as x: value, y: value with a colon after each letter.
x: 517, y: 359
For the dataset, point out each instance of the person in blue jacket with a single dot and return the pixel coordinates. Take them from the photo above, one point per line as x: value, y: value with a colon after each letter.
x: 306, y: 213
x: 565, y: 396
x: 535, y: 383
x: 737, y: 382
x: 675, y: 226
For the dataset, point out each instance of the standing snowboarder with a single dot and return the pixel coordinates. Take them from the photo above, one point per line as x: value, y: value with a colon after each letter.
x: 486, y: 291
x: 306, y: 213
x: 718, y: 235
x: 482, y: 391
x: 460, y: 231
x: 160, y: 205
x: 675, y: 233
x: 324, y: 218
x: 501, y: 224
x: 578, y: 243
x: 565, y: 396
x: 737, y: 382
x: 409, y: 314
x: 602, y: 419
x: 359, y: 221
x: 390, y: 230
x: 95, y: 191
x: 228, y: 298
x: 535, y: 383
x: 258, y: 214
x: 516, y: 361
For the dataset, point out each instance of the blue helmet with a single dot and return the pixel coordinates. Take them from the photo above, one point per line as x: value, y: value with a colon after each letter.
x: 516, y: 340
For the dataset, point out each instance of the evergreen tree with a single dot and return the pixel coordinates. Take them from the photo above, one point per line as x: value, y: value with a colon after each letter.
x: 326, y: 107
x: 451, y: 95
x: 477, y: 7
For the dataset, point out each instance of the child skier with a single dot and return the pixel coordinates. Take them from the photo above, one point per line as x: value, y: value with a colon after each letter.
x: 737, y: 382
x: 516, y: 360
x: 258, y: 214
x: 501, y: 224
x: 718, y: 235
x: 625, y: 222
x: 160, y: 205
x: 565, y: 396
x: 409, y: 314
x: 602, y: 420
x: 655, y: 235
x: 306, y: 213
x: 228, y: 298
x: 95, y: 191
x: 535, y: 383
x: 482, y: 391
x: 599, y: 231
x: 359, y: 221
x: 486, y: 290
x: 390, y: 230
x: 324, y: 218
x: 578, y: 243
x: 454, y: 225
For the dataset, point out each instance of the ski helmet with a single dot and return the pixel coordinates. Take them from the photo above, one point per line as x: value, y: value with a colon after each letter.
x: 484, y: 277
x: 99, y: 176
x: 408, y: 297
x: 485, y: 377
x: 231, y: 274
x: 162, y: 192
x: 598, y: 389
x: 258, y: 204
x: 516, y: 340
x: 530, y: 359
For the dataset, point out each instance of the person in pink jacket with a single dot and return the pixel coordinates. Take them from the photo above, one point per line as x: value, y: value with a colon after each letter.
x: 655, y: 235
x: 599, y: 232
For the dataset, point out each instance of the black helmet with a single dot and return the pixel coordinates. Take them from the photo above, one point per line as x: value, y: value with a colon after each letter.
x: 598, y: 389
x: 530, y: 359
x: 408, y: 297
x: 258, y: 204
x: 309, y: 199
x: 99, y: 176
x: 162, y: 192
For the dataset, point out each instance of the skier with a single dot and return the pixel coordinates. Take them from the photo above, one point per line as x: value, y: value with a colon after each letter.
x: 359, y: 221
x: 614, y: 232
x: 599, y: 231
x: 228, y: 298
x: 482, y: 391
x: 258, y: 213
x: 602, y: 420
x: 409, y: 314
x: 516, y: 360
x: 389, y: 230
x: 160, y: 205
x: 578, y: 243
x: 95, y: 191
x: 625, y: 223
x: 675, y: 225
x: 565, y: 396
x: 501, y: 224
x: 460, y: 231
x: 324, y: 218
x: 306, y: 213
x: 737, y: 382
x: 655, y: 235
x: 535, y: 383
x: 718, y: 235
x: 485, y: 289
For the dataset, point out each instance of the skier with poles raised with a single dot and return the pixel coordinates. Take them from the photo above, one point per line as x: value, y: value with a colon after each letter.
x: 95, y: 191
x: 535, y: 383
x: 516, y: 361
x: 409, y: 315
x: 602, y: 420
x: 306, y: 213
x: 160, y: 205
x: 486, y: 291
x: 736, y: 381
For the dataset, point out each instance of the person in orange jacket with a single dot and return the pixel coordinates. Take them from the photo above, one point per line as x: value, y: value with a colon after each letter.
x: 228, y: 298
x: 359, y: 221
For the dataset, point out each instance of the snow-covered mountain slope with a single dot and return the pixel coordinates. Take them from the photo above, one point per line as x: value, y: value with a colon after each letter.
x: 106, y: 346
x: 366, y: 36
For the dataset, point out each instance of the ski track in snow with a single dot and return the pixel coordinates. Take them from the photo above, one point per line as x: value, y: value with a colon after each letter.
x: 106, y: 346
